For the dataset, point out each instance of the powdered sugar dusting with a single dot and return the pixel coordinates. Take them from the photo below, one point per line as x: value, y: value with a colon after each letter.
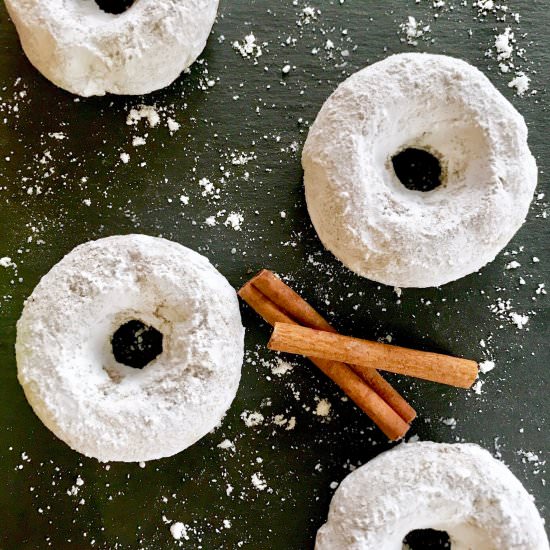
x: 62, y: 299
x: 470, y: 482
x: 179, y: 531
x: 240, y: 122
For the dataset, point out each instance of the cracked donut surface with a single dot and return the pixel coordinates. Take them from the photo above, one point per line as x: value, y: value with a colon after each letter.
x: 106, y: 409
x: 387, y: 232
x: 457, y: 488
x: 85, y: 50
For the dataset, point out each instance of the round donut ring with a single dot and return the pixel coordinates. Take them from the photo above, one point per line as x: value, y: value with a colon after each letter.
x: 108, y: 410
x: 457, y: 488
x: 375, y: 225
x: 87, y: 51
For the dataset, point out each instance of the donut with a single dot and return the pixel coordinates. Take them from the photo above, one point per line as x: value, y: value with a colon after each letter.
x: 87, y: 51
x: 419, y: 105
x: 457, y: 488
x: 111, y: 410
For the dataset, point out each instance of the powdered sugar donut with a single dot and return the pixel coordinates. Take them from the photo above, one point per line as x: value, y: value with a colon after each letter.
x: 87, y: 51
x: 106, y: 409
x: 457, y: 488
x: 387, y: 232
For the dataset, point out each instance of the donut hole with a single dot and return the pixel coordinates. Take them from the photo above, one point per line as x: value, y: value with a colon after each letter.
x: 417, y: 169
x: 114, y: 6
x: 426, y: 539
x: 136, y: 344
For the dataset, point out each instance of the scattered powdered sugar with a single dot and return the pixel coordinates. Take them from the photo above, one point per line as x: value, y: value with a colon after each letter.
x: 248, y: 47
x: 308, y: 15
x: 506, y: 51
x: 234, y: 220
x: 330, y: 45
x: 137, y: 141
x: 228, y: 445
x: 208, y: 188
x: 153, y: 116
x: 486, y: 366
x: 413, y: 30
x: 6, y: 261
x: 520, y: 83
x: 73, y: 491
x: 502, y: 308
x: 287, y: 423
x: 533, y: 458
x: 179, y: 530
x: 504, y: 44
x: 210, y: 221
x: 477, y: 387
x: 280, y: 368
x: 147, y: 112
x: 507, y: 47
x: 252, y: 419
x: 173, y: 126
x: 323, y: 407
x: 519, y: 320
x: 241, y: 158
x: 258, y: 481
x: 484, y: 6
x: 450, y: 422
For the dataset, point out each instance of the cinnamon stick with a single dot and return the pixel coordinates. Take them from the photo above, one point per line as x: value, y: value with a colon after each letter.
x: 270, y: 285
x: 296, y: 307
x: 320, y: 344
x: 381, y: 413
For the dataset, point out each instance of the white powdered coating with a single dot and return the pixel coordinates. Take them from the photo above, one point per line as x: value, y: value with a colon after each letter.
x: 386, y: 232
x: 179, y: 530
x: 87, y: 51
x: 110, y: 411
x: 457, y: 488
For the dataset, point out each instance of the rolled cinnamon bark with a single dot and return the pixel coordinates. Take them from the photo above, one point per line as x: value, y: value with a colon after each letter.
x: 320, y: 344
x: 290, y: 301
x: 381, y: 413
x: 297, y: 308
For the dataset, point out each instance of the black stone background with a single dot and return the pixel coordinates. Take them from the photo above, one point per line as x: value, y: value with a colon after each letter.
x: 124, y: 504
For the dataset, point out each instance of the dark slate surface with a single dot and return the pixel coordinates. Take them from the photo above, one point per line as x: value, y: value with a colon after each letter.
x: 123, y: 506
